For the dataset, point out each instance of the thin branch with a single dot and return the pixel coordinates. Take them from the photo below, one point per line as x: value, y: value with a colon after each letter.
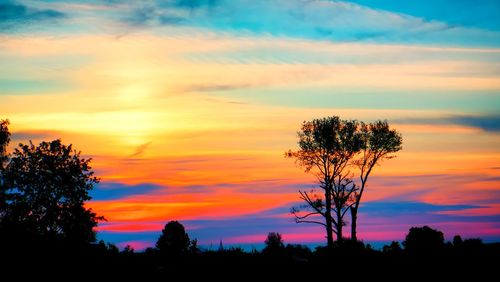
x: 347, y: 208
x: 305, y: 216
x: 310, y: 202
x: 310, y: 221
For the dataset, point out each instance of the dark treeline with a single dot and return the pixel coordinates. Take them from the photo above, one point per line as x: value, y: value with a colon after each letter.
x: 424, y: 253
x: 46, y: 230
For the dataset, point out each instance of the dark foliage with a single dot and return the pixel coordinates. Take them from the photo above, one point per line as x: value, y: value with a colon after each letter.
x: 394, y: 248
x: 326, y: 148
x: 43, y: 191
x: 46, y: 187
x: 424, y: 240
x: 274, y: 244
x: 174, y: 241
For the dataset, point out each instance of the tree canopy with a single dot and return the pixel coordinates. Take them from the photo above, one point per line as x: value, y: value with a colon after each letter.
x: 424, y: 240
x: 378, y: 142
x: 45, y: 189
x: 173, y: 240
x: 331, y: 148
x: 274, y: 243
x: 326, y: 147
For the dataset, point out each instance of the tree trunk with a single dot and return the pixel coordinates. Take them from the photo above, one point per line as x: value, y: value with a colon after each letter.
x: 354, y: 219
x: 328, y: 217
x: 339, y: 225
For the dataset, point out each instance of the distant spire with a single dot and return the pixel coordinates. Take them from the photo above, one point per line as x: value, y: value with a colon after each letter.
x: 221, y: 247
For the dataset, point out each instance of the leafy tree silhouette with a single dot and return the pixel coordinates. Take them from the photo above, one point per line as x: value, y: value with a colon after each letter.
x: 274, y: 244
x: 45, y: 188
x: 128, y: 250
x: 424, y: 240
x: 4, y: 142
x: 378, y: 142
x: 173, y: 241
x: 393, y: 248
x: 472, y: 246
x: 326, y: 148
x: 457, y: 241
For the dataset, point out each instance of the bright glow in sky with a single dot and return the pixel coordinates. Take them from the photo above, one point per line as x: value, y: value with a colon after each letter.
x: 187, y: 107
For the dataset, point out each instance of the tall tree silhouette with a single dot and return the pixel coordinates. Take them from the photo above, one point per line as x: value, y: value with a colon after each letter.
x: 45, y: 189
x: 4, y: 142
x: 326, y: 147
x: 379, y: 142
x: 174, y: 240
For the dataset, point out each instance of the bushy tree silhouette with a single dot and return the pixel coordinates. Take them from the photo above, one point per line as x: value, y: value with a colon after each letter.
x: 424, y: 240
x: 274, y: 243
x: 393, y: 248
x: 174, y: 240
x: 457, y: 241
x: 45, y: 188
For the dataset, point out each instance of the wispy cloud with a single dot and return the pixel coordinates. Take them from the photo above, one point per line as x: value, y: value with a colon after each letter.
x: 14, y: 15
x: 140, y: 150
x: 115, y: 190
x: 326, y: 20
x: 490, y: 123
x: 216, y: 87
x: 26, y: 135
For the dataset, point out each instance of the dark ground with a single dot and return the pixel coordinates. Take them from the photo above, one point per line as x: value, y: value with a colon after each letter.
x: 234, y: 265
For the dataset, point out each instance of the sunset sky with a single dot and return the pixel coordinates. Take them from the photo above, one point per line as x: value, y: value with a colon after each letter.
x: 187, y: 108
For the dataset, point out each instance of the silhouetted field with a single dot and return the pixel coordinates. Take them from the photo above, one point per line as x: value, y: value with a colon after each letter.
x: 290, y: 263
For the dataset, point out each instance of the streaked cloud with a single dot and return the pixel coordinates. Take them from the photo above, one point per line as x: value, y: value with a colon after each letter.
x: 35, y: 135
x: 330, y: 20
x: 489, y: 123
x: 14, y: 15
x: 139, y: 151
x: 114, y: 190
x: 247, y: 230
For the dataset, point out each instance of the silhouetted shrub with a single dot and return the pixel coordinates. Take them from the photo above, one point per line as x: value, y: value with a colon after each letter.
x: 298, y: 252
x: 472, y: 246
x: 127, y: 250
x: 174, y: 240
x: 274, y: 244
x: 457, y: 241
x: 424, y: 240
x: 393, y: 248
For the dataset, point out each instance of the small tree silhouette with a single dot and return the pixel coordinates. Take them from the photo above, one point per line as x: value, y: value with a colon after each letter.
x: 128, y: 250
x: 174, y: 240
x: 274, y: 243
x: 4, y: 142
x: 457, y: 241
x: 393, y: 248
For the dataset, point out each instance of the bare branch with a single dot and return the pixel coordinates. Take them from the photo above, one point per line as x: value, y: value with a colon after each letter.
x: 311, y: 221
x: 305, y: 216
